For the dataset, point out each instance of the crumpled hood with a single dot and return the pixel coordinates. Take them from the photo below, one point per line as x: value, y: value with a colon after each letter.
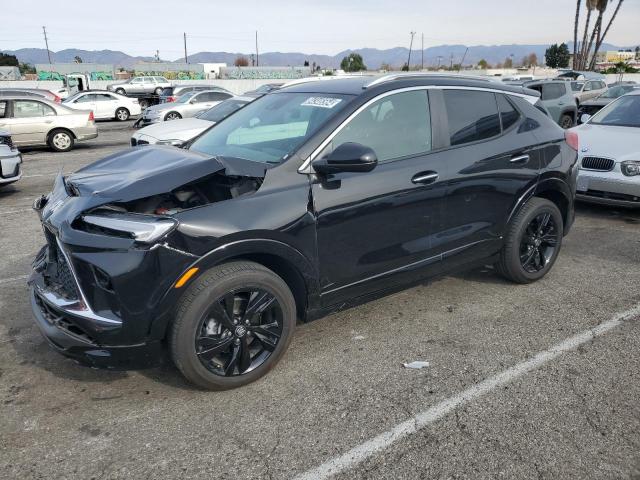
x: 619, y: 143
x: 183, y: 129
x: 150, y: 170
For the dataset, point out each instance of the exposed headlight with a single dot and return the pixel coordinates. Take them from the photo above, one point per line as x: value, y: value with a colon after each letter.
x: 630, y: 168
x: 142, y: 228
x: 173, y: 142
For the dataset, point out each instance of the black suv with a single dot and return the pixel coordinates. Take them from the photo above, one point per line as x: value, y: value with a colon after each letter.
x: 315, y: 197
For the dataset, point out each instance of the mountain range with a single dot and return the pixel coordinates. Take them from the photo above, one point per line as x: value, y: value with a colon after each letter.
x: 373, y: 58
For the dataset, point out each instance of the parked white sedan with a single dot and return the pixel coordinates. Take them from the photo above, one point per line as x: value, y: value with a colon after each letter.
x: 177, y: 132
x: 104, y: 105
x: 609, y: 156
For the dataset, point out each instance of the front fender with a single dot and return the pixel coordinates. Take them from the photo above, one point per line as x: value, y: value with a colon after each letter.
x: 243, y: 248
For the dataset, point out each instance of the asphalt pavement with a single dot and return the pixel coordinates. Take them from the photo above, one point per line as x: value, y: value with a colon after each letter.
x: 539, y: 381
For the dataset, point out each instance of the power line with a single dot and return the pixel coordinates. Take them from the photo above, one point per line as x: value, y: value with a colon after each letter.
x: 46, y: 42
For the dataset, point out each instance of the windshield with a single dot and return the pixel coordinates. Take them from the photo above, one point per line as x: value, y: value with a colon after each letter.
x: 71, y: 98
x: 269, y: 129
x: 624, y: 112
x: 222, y: 110
x: 577, y: 86
x: 185, y: 97
x: 616, y: 92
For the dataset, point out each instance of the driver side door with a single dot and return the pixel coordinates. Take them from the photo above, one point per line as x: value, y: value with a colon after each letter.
x: 374, y: 230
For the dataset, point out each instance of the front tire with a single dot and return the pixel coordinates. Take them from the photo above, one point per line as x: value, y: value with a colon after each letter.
x: 532, y: 242
x: 60, y: 140
x: 122, y: 114
x: 158, y: 91
x: 120, y: 91
x: 172, y: 116
x: 232, y: 325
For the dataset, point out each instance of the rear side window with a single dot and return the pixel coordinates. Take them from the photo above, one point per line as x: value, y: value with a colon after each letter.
x: 552, y: 91
x: 3, y: 108
x: 167, y: 91
x: 509, y: 116
x: 395, y: 126
x: 473, y: 116
x: 28, y: 109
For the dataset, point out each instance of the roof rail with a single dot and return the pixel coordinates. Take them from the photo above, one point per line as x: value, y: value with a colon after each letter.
x: 395, y: 76
x: 299, y: 81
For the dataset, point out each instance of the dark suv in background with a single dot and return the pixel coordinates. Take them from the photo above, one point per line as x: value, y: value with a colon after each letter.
x: 557, y: 97
x: 313, y: 198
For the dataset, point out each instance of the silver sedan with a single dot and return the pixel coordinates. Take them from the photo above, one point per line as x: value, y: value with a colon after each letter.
x: 186, y: 106
x: 32, y: 121
x: 609, y: 156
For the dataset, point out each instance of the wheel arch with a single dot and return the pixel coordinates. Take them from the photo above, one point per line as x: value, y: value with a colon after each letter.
x: 559, y: 193
x: 55, y: 129
x: 284, y: 260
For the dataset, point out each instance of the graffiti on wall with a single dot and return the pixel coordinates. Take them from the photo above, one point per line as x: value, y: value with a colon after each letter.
x: 260, y: 73
x: 44, y: 75
x: 177, y: 75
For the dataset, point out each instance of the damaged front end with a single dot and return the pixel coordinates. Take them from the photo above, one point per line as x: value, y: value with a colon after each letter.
x: 114, y: 248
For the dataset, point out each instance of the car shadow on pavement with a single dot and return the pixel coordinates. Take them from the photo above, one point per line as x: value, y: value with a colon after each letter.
x: 627, y: 215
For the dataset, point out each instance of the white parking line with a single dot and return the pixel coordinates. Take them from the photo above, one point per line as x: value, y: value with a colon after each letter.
x: 383, y: 441
x: 13, y: 279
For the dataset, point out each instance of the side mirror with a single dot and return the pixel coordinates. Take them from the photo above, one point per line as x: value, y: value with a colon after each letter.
x: 585, y: 118
x: 348, y: 157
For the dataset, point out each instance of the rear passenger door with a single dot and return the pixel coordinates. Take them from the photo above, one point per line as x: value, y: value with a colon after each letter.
x: 492, y: 160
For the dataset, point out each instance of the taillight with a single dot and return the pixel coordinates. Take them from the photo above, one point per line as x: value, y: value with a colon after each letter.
x: 171, y: 99
x: 91, y: 117
x: 56, y: 98
x: 572, y: 139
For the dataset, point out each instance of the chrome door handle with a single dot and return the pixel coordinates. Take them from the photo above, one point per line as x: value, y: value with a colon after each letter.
x: 425, y: 178
x: 520, y: 159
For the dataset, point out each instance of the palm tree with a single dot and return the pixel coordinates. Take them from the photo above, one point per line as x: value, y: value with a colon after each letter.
x: 601, y: 6
x: 575, y: 33
x: 584, y: 53
x: 600, y: 40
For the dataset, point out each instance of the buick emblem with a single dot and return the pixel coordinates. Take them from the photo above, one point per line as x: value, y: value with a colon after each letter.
x: 241, y: 331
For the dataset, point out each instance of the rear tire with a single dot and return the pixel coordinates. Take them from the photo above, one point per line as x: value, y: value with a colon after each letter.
x: 120, y: 91
x: 204, y: 340
x: 158, y: 91
x: 122, y: 114
x: 60, y: 140
x: 532, y: 242
x: 566, y: 121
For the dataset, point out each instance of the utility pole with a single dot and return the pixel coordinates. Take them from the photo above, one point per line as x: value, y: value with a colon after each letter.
x: 185, y: 48
x: 410, y: 46
x: 463, y: 57
x: 439, y: 61
x: 422, y: 52
x: 257, y: 55
x: 46, y: 42
x: 451, y: 62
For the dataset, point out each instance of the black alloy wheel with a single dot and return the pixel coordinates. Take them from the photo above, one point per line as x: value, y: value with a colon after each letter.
x: 532, y: 242
x: 239, y: 332
x: 539, y: 243
x: 232, y: 325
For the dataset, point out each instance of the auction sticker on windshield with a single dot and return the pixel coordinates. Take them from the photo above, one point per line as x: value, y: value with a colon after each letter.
x: 322, y: 102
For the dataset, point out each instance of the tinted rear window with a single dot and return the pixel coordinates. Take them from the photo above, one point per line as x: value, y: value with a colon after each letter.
x: 167, y: 91
x: 552, y: 91
x: 472, y: 116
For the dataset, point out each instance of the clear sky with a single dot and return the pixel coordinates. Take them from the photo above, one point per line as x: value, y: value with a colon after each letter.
x: 139, y: 27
